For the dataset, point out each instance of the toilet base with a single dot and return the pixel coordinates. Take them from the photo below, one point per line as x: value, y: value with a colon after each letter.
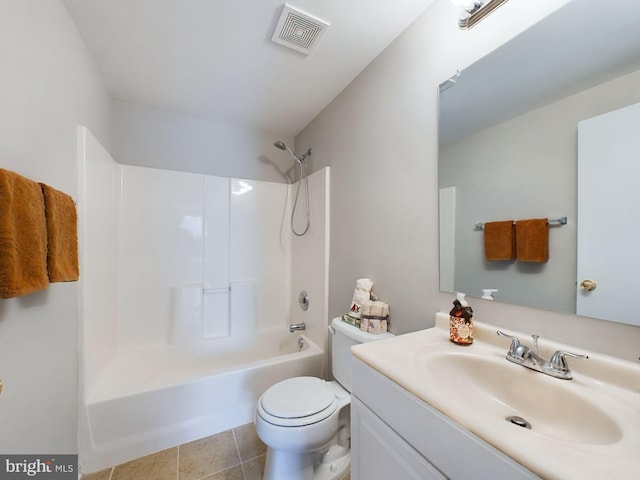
x: 332, y: 465
x: 281, y: 465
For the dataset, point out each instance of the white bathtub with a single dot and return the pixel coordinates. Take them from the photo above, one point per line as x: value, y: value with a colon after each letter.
x: 154, y: 398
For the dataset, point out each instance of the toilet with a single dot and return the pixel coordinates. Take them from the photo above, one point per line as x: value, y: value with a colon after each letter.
x: 305, y: 421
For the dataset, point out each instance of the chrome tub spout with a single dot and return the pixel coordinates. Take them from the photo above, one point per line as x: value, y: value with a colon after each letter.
x: 295, y: 327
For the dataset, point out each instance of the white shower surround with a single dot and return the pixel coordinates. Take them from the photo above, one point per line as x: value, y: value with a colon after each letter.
x: 179, y: 269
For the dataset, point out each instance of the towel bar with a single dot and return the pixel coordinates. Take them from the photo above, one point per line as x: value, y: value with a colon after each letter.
x: 551, y: 221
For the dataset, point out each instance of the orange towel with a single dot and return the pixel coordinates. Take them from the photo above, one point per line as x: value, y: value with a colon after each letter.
x: 499, y: 240
x: 23, y: 236
x: 62, y: 235
x: 532, y: 237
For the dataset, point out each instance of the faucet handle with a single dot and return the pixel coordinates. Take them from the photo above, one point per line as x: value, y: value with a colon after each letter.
x: 517, y: 351
x: 558, y: 362
x: 515, y: 343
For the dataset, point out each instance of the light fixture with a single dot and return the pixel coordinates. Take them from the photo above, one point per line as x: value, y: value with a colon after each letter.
x: 475, y: 10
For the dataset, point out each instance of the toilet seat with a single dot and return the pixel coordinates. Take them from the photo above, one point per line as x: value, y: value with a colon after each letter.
x: 297, y: 402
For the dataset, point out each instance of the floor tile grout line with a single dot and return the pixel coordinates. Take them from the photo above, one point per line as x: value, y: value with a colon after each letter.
x: 222, y: 469
x: 178, y: 463
x: 218, y: 471
x: 235, y: 441
x: 253, y: 458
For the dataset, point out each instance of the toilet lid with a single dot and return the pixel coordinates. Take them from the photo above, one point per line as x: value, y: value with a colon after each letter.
x: 297, y: 398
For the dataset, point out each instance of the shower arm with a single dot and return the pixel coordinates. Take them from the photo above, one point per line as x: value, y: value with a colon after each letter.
x: 304, y: 155
x: 283, y: 146
x: 301, y: 158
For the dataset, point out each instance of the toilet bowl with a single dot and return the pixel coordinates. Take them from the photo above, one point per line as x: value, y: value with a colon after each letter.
x: 305, y: 421
x: 299, y: 429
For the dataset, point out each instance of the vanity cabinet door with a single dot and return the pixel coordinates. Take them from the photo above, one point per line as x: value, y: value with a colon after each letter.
x: 379, y: 453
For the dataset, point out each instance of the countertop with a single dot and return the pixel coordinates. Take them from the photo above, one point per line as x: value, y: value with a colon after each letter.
x: 607, y: 382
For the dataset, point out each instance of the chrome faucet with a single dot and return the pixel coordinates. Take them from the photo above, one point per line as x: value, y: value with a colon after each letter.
x: 294, y: 327
x: 523, y: 355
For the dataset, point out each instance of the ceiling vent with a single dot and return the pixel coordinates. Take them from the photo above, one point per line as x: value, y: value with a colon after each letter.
x: 299, y: 30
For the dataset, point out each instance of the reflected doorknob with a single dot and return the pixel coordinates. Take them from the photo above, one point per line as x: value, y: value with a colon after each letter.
x: 588, y: 285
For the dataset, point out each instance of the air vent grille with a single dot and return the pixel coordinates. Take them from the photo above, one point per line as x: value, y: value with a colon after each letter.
x: 298, y: 30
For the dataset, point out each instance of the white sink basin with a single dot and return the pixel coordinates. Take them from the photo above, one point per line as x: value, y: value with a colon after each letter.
x: 502, y: 389
x: 587, y: 427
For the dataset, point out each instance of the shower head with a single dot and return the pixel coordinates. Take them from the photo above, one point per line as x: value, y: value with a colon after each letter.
x: 283, y: 146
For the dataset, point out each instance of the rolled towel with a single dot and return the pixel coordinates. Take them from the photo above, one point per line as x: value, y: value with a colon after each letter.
x: 499, y: 240
x: 361, y: 295
x: 532, y: 239
x: 23, y: 236
x: 374, y: 326
x: 375, y: 309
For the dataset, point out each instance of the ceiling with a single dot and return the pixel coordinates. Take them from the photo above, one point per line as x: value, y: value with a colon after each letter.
x: 214, y: 59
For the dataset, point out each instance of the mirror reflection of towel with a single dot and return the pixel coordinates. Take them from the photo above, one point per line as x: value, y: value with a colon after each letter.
x: 499, y: 240
x: 23, y: 236
x: 532, y: 238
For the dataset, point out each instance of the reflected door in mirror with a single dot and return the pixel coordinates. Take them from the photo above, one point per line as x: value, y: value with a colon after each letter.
x: 608, y: 227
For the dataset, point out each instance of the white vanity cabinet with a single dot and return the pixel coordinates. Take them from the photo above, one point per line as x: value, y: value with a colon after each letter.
x: 381, y: 452
x: 395, y: 435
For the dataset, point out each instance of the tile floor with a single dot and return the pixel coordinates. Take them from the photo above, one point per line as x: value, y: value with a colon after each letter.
x: 236, y: 454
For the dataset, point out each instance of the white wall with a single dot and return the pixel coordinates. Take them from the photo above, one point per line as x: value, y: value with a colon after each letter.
x: 150, y: 137
x: 48, y: 85
x: 380, y: 138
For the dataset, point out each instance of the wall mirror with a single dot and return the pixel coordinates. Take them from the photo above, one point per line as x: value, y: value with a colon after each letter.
x: 508, y: 150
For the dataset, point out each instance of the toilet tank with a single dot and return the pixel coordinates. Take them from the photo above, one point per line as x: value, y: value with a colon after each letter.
x: 343, y: 337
